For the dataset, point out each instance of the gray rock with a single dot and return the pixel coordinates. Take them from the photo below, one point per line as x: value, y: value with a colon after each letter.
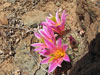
x: 58, y: 4
x: 34, y: 17
x: 43, y: 70
x: 24, y: 60
x: 11, y: 1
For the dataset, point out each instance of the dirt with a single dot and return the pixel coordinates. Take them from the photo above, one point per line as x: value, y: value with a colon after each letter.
x: 19, y: 19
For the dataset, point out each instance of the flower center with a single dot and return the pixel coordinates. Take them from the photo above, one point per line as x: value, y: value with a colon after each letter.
x: 59, y: 54
x: 56, y: 55
x: 57, y: 24
x: 50, y: 40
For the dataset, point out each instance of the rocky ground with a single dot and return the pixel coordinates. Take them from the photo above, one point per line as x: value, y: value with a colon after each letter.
x: 19, y: 19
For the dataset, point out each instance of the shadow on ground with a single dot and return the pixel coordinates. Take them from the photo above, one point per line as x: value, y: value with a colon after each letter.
x: 90, y: 63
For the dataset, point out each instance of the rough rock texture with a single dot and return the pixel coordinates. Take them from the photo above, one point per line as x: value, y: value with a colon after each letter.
x: 33, y: 17
x: 89, y: 64
x: 88, y: 15
x: 23, y: 58
x: 19, y: 19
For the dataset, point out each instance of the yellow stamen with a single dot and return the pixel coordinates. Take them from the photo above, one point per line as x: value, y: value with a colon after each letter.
x: 50, y: 40
x: 58, y: 54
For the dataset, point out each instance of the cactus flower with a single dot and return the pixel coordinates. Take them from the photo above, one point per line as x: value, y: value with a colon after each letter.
x: 55, y: 55
x: 56, y: 23
x: 45, y: 33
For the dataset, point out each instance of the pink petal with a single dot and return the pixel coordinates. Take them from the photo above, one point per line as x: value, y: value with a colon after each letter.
x: 47, y: 53
x: 42, y: 52
x: 50, y: 22
x: 61, y: 27
x: 66, y: 58
x: 60, y: 60
x: 63, y: 15
x: 49, y: 45
x: 43, y: 34
x: 63, y: 18
x: 55, y: 29
x: 65, y: 47
x: 59, y: 42
x: 57, y: 17
x: 50, y: 31
x: 38, y: 49
x: 45, y: 60
x: 37, y: 44
x: 43, y: 23
x: 52, y: 66
x: 37, y: 35
x: 47, y: 32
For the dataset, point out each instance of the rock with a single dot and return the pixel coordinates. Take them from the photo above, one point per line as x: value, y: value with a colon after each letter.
x: 2, y: 6
x: 25, y: 61
x: 3, y: 18
x: 58, y: 4
x: 23, y: 58
x: 40, y: 72
x: 17, y: 72
x: 93, y: 0
x: 7, y: 67
x: 11, y: 1
x: 1, y: 52
x: 33, y: 17
x: 3, y: 1
x: 43, y: 70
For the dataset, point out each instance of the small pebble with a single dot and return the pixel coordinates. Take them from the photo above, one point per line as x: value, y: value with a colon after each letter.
x: 18, y: 72
x: 58, y: 4
x: 11, y: 1
x: 1, y: 52
x: 75, y: 49
x: 69, y: 52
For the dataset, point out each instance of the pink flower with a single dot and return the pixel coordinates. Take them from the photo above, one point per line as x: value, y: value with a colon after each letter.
x: 56, y: 23
x: 55, y: 54
x: 45, y: 33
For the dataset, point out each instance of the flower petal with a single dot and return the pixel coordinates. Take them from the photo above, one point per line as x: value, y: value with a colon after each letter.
x: 42, y: 52
x: 60, y: 60
x: 49, y: 45
x: 52, y: 66
x: 63, y: 18
x: 59, y: 42
x: 65, y: 47
x: 57, y: 17
x: 66, y: 58
x: 37, y: 44
x: 50, y: 22
x: 44, y: 23
x: 50, y: 31
x: 38, y: 49
x: 43, y: 34
x: 61, y: 27
x: 45, y: 60
x: 37, y: 35
x: 55, y: 29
